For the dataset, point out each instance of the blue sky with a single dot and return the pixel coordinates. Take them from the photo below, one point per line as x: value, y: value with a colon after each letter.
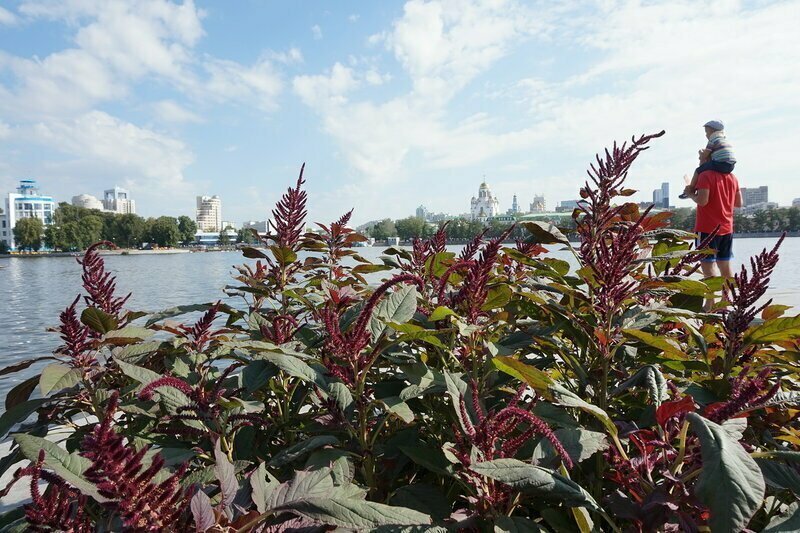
x: 390, y: 104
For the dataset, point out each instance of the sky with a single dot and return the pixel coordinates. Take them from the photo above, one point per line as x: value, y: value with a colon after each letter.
x: 390, y: 104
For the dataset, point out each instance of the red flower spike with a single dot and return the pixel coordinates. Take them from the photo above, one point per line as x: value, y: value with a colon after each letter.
x: 99, y: 284
x: 289, y: 215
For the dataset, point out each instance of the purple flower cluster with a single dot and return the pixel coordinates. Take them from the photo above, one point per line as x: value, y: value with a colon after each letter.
x: 76, y: 337
x: 289, y: 215
x: 99, y: 284
x: 121, y: 475
x: 60, y: 508
x: 743, y: 294
x: 344, y: 358
x: 746, y: 393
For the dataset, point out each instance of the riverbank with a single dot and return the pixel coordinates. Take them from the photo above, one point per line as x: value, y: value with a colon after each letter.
x: 120, y: 251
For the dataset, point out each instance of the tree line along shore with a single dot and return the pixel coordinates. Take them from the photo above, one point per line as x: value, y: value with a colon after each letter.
x: 76, y: 228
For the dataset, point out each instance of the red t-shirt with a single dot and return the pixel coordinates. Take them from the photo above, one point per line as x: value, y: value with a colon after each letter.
x: 722, y: 189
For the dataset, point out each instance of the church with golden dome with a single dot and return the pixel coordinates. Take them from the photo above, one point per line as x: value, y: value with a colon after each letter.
x: 485, y: 205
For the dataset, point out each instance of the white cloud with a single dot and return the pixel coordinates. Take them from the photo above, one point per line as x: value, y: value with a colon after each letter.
x: 258, y: 84
x: 316, y: 31
x: 289, y: 57
x: 119, y: 44
x: 442, y: 46
x: 324, y: 91
x: 170, y: 111
x: 354, y: 17
x: 5, y: 130
x: 105, y: 148
x: 156, y: 158
x: 7, y: 17
x: 622, y: 69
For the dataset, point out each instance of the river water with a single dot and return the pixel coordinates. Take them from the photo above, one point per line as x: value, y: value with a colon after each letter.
x: 34, y: 290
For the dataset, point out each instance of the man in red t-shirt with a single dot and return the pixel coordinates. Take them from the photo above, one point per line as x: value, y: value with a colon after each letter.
x: 716, y: 196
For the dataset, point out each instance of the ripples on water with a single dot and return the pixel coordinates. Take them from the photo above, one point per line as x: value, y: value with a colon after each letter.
x: 34, y: 290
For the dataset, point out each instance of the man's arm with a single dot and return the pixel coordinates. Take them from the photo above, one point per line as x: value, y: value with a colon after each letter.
x: 700, y: 197
x: 738, y: 202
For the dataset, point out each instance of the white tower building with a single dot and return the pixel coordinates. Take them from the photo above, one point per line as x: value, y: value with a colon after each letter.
x: 209, y: 214
x: 118, y: 200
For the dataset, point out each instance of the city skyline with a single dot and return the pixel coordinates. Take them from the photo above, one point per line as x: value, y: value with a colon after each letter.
x: 383, y: 100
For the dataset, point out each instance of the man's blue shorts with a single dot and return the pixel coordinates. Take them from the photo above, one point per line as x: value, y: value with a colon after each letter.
x: 722, y: 244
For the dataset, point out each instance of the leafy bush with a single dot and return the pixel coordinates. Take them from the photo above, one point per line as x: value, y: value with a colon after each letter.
x: 491, y: 390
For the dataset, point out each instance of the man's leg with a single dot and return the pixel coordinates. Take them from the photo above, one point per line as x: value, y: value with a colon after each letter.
x: 709, y: 269
x: 725, y: 269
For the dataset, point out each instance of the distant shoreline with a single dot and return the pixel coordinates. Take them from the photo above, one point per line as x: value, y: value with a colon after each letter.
x: 169, y: 251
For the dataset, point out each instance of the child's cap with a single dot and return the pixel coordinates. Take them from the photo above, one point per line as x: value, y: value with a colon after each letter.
x: 715, y: 125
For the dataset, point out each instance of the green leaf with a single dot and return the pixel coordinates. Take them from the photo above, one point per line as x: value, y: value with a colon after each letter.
x: 536, y: 481
x: 133, y: 353
x: 19, y: 413
x: 177, y: 311
x: 498, y: 296
x: 545, y: 233
x: 262, y: 485
x: 580, y: 444
x: 731, y: 483
x: 566, y: 398
x: 304, y: 485
x: 137, y: 373
x: 292, y: 453
x: 399, y: 408
x: 21, y: 391
x: 294, y: 367
x: 428, y: 457
x: 341, y: 395
x: 775, y: 330
x: 423, y: 498
x: 788, y: 522
x: 56, y: 376
x: 98, y: 320
x: 780, y: 476
x: 398, y: 307
x: 130, y: 332
x: 440, y: 313
x: 22, y: 365
x: 355, y: 513
x: 70, y: 466
x: 660, y: 343
x: 651, y: 377
x: 516, y: 524
x: 534, y: 377
x: 257, y: 374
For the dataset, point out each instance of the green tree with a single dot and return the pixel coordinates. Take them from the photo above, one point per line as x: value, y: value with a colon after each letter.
x: 410, y: 227
x: 129, y: 230
x: 163, y: 231
x: 28, y: 233
x: 224, y: 238
x: 3, y: 247
x: 383, y: 230
x: 187, y: 228
x: 245, y: 235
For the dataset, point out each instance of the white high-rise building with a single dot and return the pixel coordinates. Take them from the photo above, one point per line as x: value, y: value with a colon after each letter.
x: 25, y: 203
x: 209, y: 214
x: 118, y: 200
x: 87, y: 201
x: 539, y: 205
x: 484, y: 205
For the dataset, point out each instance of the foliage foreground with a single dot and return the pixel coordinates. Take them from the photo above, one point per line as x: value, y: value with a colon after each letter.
x: 492, y: 390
